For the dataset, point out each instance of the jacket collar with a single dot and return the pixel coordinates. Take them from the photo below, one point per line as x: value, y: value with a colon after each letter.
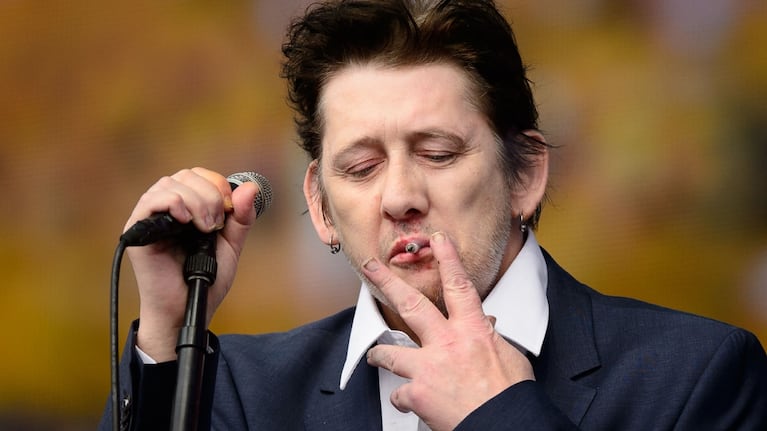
x: 569, y: 350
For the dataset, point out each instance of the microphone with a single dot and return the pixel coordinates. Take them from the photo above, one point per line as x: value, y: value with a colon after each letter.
x: 162, y: 225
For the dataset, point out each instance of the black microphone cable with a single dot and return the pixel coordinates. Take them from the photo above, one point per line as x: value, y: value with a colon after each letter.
x: 114, y: 335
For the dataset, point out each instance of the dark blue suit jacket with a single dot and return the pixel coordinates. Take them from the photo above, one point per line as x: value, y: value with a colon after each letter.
x: 607, y: 363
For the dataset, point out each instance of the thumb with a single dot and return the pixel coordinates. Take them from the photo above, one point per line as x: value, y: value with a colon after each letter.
x: 242, y: 216
x: 243, y: 210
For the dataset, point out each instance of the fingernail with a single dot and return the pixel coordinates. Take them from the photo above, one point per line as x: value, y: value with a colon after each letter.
x: 220, y: 219
x: 228, y: 205
x: 371, y: 356
x: 210, y: 222
x: 438, y: 237
x: 371, y: 264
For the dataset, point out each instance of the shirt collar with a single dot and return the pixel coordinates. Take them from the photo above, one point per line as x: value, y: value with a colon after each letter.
x: 518, y: 302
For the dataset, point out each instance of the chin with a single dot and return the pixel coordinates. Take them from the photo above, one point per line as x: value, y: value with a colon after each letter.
x: 427, y: 282
x: 431, y: 288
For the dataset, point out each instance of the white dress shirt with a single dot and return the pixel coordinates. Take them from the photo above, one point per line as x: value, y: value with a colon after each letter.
x: 518, y: 303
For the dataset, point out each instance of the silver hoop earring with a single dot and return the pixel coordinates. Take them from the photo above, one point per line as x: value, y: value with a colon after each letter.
x: 522, y: 224
x: 334, y: 247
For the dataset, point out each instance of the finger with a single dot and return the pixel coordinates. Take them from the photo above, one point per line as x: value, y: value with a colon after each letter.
x: 161, y: 197
x: 242, y: 217
x: 187, y: 197
x: 203, y: 195
x: 221, y: 183
x: 243, y: 209
x: 400, y: 398
x: 461, y: 297
x: 420, y: 314
x: 397, y: 359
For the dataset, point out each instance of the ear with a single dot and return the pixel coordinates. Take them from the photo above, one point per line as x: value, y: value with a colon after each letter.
x: 534, y: 180
x: 314, y: 198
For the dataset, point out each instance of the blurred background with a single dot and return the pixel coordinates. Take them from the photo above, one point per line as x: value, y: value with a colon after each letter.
x: 658, y: 186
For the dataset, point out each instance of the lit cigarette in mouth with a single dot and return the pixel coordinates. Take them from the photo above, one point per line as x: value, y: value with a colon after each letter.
x: 412, y: 248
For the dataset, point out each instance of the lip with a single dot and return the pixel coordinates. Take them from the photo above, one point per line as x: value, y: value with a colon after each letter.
x: 398, y: 254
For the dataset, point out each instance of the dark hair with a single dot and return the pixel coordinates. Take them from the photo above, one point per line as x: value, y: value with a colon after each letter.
x: 471, y: 34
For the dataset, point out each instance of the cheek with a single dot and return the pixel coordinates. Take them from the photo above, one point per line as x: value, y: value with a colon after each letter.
x: 481, y: 189
x: 349, y: 207
x: 355, y: 217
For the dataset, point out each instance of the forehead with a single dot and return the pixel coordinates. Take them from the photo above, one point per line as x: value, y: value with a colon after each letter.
x: 360, y: 100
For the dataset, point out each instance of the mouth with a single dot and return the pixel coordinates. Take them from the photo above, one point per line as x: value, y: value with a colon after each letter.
x: 409, y: 250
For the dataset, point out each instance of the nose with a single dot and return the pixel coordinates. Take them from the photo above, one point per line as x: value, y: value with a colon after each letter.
x: 404, y: 195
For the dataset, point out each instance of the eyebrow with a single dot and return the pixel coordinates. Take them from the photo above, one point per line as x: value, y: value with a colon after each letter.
x: 357, y: 145
x: 362, y: 143
x: 457, y: 140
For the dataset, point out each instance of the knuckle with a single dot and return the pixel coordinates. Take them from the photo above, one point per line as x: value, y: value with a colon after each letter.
x: 175, y: 200
x: 390, y: 361
x: 460, y: 282
x: 385, y: 280
x: 217, y: 199
x: 165, y: 182
x: 184, y: 174
x: 413, y: 303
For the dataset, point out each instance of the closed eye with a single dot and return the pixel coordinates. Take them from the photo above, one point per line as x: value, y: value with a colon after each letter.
x: 362, y: 170
x: 439, y: 159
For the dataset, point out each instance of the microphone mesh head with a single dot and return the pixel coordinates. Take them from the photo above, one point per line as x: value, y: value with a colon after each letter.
x: 263, y: 198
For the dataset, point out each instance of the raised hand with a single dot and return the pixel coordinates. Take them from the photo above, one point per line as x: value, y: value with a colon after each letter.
x: 462, y: 362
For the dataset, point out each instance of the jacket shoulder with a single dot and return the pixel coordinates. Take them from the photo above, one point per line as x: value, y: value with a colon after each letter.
x: 618, y: 319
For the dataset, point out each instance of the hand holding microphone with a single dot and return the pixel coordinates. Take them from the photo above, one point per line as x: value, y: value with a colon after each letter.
x: 162, y: 225
x: 190, y: 199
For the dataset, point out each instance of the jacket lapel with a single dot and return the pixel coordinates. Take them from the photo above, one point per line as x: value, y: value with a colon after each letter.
x: 569, y: 350
x: 355, y: 408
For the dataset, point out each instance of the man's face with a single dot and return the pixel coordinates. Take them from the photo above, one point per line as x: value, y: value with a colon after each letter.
x: 404, y: 154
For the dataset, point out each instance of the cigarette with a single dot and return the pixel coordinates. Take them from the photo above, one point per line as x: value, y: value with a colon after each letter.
x: 412, y: 248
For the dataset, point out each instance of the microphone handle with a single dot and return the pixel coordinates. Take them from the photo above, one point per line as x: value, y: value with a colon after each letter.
x: 154, y: 228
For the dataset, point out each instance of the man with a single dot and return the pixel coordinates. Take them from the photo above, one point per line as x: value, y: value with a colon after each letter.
x: 428, y: 172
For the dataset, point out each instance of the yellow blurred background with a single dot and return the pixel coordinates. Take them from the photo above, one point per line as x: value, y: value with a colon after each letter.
x: 658, y: 187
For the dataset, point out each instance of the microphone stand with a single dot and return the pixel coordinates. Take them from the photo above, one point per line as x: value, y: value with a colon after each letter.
x: 200, y: 273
